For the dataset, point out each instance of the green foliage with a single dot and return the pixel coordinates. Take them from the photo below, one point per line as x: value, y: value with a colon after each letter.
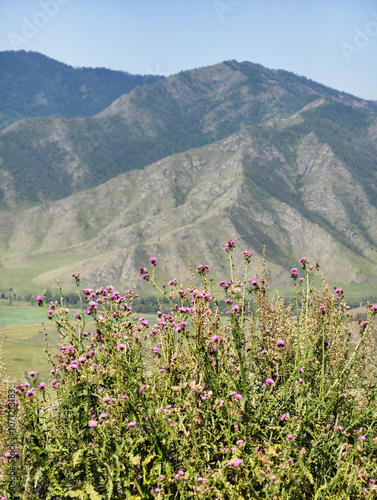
x: 265, y: 401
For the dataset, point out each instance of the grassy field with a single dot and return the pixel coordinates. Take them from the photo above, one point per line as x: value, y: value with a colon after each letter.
x: 20, y: 315
x: 24, y: 341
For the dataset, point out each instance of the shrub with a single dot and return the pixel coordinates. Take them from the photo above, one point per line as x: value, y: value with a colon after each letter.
x: 264, y: 401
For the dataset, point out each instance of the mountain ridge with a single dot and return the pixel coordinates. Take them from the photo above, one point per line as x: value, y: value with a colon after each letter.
x: 33, y: 85
x: 147, y: 124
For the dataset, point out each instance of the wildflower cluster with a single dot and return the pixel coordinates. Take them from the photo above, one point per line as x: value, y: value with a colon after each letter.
x: 265, y: 401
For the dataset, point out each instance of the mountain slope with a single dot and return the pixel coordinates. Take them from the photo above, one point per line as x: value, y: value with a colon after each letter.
x: 32, y: 85
x: 46, y: 159
x: 186, y: 205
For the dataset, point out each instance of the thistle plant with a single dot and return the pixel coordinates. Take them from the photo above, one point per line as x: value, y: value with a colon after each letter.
x: 267, y: 400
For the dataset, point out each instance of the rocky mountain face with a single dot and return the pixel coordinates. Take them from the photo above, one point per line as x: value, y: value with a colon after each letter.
x: 175, y: 168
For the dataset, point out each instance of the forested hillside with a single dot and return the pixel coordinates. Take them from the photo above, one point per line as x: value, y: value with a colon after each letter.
x: 49, y: 159
x: 32, y: 84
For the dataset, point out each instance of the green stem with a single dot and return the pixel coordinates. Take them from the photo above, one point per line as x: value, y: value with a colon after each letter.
x: 298, y: 330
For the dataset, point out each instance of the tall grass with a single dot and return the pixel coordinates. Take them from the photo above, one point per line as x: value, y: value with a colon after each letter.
x: 265, y: 401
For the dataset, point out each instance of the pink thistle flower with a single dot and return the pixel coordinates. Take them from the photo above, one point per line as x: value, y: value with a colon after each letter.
x: 340, y: 428
x: 30, y: 393
x: 121, y: 347
x: 41, y: 385
x: 215, y: 338
x: 39, y: 298
x: 247, y: 256
x: 103, y: 415
x: 132, y: 424
x: 237, y: 461
x: 290, y: 436
x: 93, y: 423
x: 153, y: 261
x: 270, y: 381
x: 361, y: 438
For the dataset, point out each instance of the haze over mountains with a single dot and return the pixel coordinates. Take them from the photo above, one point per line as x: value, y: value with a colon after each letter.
x: 176, y: 167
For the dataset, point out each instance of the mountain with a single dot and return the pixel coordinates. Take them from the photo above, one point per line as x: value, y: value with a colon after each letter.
x: 175, y: 168
x: 46, y: 159
x: 32, y: 84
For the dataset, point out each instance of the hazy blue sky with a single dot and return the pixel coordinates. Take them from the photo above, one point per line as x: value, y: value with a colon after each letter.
x: 332, y: 42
